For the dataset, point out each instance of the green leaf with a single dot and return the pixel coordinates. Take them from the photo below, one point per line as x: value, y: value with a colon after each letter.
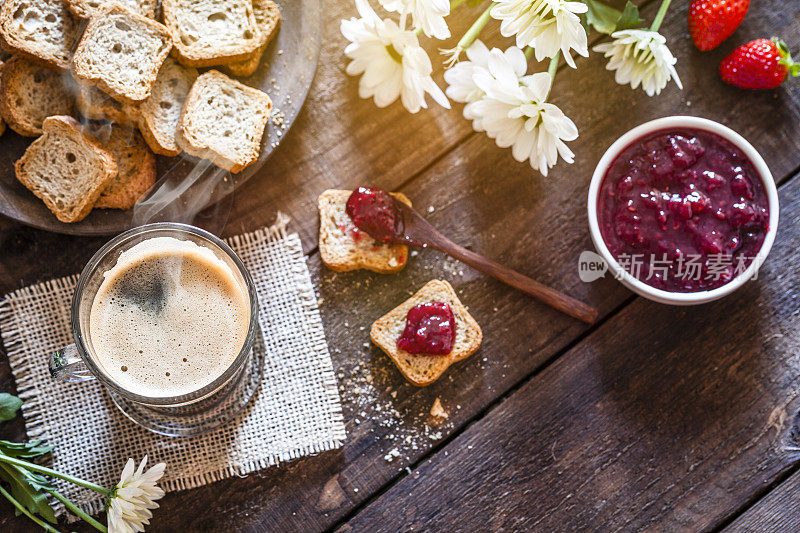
x: 29, y: 489
x: 9, y: 405
x: 603, y: 18
x: 792, y: 68
x: 606, y: 19
x: 36, y: 451
x: 24, y: 450
x: 629, y: 18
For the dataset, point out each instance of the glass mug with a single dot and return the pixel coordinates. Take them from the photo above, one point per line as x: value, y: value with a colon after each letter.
x: 189, y: 414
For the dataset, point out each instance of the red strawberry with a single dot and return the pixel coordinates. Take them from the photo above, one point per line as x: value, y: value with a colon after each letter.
x: 759, y: 64
x: 713, y: 21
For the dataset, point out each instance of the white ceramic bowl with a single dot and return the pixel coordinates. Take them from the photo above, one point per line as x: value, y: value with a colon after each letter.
x: 643, y: 289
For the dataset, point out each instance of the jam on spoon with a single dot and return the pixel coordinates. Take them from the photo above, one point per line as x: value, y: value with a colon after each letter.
x: 430, y: 329
x: 373, y: 211
x: 376, y: 212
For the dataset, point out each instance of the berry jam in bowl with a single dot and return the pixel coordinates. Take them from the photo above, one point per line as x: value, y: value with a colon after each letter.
x: 683, y: 209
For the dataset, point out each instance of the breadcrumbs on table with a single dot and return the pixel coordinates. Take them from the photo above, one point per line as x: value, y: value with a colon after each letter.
x: 393, y: 453
x: 437, y: 411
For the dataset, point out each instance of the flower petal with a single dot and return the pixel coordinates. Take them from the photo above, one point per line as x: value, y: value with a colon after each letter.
x: 640, y: 57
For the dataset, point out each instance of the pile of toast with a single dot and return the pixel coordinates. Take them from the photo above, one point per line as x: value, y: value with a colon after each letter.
x: 343, y: 248
x: 105, y: 85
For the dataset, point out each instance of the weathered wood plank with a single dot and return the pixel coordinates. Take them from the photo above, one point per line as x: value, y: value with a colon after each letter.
x: 665, y: 419
x: 498, y: 207
x: 25, y: 248
x: 777, y: 511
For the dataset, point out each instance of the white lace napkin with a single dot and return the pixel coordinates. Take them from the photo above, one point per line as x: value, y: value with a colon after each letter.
x: 296, y: 411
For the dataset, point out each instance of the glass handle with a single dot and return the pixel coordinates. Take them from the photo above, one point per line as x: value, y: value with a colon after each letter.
x: 66, y: 365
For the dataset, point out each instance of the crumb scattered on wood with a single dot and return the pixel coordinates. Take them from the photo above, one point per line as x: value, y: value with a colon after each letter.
x: 393, y: 453
x: 437, y: 411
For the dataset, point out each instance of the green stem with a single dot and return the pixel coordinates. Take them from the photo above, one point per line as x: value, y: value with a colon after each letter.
x: 50, y: 472
x: 528, y: 52
x: 473, y: 31
x: 23, y: 510
x: 662, y: 12
x: 77, y: 511
x: 552, y: 68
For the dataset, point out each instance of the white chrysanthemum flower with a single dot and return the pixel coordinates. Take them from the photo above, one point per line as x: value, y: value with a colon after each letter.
x: 511, y: 107
x: 547, y: 26
x: 391, y: 61
x: 426, y: 14
x: 640, y: 56
x: 130, y: 506
x: 462, y: 86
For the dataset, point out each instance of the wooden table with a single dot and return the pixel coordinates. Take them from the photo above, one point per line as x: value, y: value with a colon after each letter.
x: 657, y: 417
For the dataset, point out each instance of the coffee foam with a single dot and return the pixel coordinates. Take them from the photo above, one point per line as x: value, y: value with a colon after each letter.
x: 169, y: 318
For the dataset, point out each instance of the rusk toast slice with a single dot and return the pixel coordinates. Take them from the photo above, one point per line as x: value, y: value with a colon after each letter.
x: 223, y: 121
x: 160, y: 114
x: 94, y: 104
x: 67, y: 168
x: 136, y: 166
x: 30, y: 92
x: 207, y: 33
x: 48, y: 41
x: 85, y: 9
x: 343, y: 247
x: 121, y: 52
x: 268, y: 17
x: 421, y: 369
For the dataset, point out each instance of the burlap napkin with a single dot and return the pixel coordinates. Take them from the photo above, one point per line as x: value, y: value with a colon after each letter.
x: 296, y: 412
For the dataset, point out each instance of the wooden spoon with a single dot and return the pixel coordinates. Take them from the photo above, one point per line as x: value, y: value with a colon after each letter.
x: 416, y: 231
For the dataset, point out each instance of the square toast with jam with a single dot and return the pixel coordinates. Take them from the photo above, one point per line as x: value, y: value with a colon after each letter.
x: 343, y: 247
x: 422, y: 369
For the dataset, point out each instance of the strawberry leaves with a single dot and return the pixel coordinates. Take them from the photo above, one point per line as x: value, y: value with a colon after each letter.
x: 792, y: 68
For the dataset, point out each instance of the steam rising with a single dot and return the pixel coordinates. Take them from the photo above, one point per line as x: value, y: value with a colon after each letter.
x: 179, y: 195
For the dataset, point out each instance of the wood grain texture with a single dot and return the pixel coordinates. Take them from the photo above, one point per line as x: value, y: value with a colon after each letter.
x: 778, y: 511
x: 664, y: 419
x: 481, y: 199
x: 420, y: 233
